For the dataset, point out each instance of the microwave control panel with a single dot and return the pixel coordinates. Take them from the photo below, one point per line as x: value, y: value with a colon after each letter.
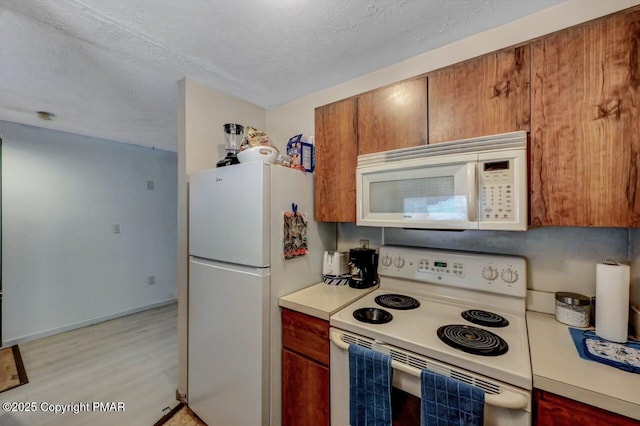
x: 496, y: 190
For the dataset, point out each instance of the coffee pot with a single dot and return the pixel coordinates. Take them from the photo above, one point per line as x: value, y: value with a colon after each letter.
x: 363, y: 264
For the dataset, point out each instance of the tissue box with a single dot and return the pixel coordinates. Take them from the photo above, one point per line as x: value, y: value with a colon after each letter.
x: 303, y: 154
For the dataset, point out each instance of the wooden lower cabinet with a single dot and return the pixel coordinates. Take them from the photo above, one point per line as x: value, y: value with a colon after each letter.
x: 305, y: 388
x: 305, y: 370
x: 554, y: 410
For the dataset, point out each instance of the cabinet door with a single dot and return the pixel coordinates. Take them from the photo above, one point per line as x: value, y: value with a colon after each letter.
x: 393, y: 117
x: 554, y: 410
x: 336, y: 159
x: 482, y: 96
x: 306, y: 335
x: 586, y: 124
x: 305, y: 391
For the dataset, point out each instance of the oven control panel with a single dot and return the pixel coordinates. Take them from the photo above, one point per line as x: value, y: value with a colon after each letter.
x: 478, y: 271
x: 441, y: 267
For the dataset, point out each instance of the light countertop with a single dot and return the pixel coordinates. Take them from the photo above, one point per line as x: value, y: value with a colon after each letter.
x: 556, y: 365
x: 322, y: 300
x: 557, y: 368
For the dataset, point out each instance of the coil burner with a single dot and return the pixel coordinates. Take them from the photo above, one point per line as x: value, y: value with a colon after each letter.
x: 397, y: 301
x: 472, y: 340
x: 485, y: 318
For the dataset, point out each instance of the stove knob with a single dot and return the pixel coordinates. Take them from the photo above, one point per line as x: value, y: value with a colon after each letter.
x: 509, y: 276
x: 398, y: 262
x: 489, y: 273
x: 386, y: 260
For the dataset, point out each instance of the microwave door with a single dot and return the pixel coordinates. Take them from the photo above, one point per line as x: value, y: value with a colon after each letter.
x: 418, y: 195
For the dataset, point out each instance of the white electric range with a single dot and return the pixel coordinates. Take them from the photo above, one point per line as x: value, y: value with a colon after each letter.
x: 459, y: 314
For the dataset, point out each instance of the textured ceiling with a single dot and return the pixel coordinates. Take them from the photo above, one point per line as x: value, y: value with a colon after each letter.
x: 109, y: 68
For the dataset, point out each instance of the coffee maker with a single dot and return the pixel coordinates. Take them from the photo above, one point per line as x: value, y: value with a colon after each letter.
x: 363, y: 264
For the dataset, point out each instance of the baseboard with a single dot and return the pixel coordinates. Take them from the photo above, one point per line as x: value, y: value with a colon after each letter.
x: 79, y: 324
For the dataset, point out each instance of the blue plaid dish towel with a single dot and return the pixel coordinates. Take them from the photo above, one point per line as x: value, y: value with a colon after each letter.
x: 369, y: 387
x: 450, y: 402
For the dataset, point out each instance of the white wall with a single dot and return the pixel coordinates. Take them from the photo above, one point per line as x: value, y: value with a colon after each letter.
x: 206, y: 111
x: 202, y: 112
x: 63, y: 266
x: 558, y: 258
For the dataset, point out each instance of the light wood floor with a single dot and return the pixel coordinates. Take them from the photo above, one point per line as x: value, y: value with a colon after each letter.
x: 133, y: 359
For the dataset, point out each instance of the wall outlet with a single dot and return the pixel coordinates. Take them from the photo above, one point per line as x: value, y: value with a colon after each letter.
x: 116, y: 228
x: 364, y: 243
x: 150, y: 185
x: 151, y: 279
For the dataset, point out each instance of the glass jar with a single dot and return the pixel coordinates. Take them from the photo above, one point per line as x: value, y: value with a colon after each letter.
x: 573, y: 309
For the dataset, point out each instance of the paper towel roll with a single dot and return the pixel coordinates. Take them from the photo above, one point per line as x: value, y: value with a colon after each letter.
x: 612, y: 301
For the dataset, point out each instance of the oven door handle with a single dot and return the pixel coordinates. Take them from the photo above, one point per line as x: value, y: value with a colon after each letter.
x: 505, y: 399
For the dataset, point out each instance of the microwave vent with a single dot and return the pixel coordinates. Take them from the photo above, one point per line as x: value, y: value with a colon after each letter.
x: 500, y: 142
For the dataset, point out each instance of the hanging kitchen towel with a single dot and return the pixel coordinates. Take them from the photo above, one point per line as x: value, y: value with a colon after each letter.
x: 625, y: 356
x: 295, y: 233
x: 369, y: 387
x: 448, y: 402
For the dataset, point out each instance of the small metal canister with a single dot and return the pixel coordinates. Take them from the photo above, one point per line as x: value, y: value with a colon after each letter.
x: 573, y: 309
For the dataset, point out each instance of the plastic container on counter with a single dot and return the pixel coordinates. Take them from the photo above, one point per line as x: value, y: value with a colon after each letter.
x: 573, y: 309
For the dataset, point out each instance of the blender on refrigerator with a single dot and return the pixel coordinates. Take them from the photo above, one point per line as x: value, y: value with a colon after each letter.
x: 233, y: 137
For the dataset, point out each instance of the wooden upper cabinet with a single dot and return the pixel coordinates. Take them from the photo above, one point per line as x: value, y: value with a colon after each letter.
x: 585, y: 152
x: 393, y: 117
x: 387, y: 118
x: 483, y: 96
x: 336, y: 159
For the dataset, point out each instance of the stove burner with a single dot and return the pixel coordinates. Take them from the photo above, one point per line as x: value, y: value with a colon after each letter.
x: 488, y: 319
x: 472, y: 340
x: 372, y: 315
x: 397, y: 301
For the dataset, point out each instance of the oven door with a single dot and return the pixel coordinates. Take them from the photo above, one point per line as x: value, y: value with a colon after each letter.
x: 505, y: 405
x: 431, y: 193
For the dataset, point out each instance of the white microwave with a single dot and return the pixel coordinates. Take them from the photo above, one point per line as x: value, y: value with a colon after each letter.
x: 478, y: 183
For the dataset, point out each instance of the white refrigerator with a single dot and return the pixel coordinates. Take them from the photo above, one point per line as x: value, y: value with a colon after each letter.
x: 237, y: 273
